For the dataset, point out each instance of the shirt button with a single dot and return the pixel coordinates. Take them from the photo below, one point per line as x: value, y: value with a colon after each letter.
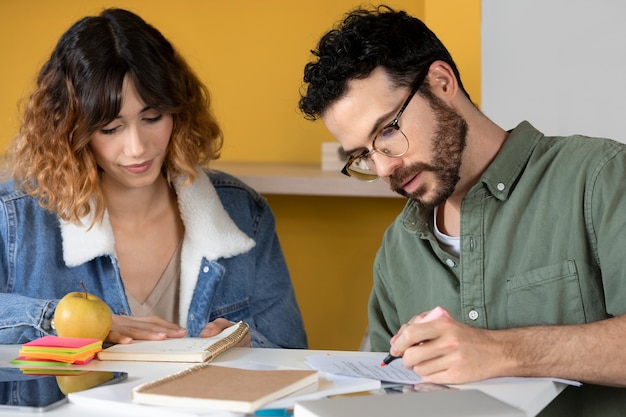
x: 450, y: 263
x: 205, y: 269
x: 192, y: 317
x: 473, y: 315
x: 500, y: 186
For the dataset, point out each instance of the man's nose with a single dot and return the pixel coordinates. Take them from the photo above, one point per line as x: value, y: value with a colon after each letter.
x: 385, y: 165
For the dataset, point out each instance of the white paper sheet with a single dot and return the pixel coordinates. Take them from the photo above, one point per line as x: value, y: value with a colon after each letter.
x: 369, y: 367
x: 363, y: 367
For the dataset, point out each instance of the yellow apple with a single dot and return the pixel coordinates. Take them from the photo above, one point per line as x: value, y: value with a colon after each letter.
x: 81, y: 314
x: 75, y: 383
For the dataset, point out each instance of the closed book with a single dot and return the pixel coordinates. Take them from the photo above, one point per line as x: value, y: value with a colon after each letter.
x: 445, y: 403
x: 208, y: 386
x: 185, y: 349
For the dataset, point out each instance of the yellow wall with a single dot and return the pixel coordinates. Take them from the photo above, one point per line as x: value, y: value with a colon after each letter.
x: 251, y: 54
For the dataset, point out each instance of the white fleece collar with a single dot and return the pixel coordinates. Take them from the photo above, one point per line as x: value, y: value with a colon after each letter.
x: 209, y: 233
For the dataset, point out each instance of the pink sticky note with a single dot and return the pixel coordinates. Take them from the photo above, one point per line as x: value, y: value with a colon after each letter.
x: 61, y: 342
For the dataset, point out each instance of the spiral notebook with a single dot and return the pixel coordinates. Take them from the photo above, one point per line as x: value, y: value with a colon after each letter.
x: 186, y: 349
x: 208, y: 386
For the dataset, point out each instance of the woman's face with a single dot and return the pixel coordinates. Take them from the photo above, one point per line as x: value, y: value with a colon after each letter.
x: 131, y: 149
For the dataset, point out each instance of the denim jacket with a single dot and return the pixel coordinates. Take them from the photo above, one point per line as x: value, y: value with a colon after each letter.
x: 232, y: 265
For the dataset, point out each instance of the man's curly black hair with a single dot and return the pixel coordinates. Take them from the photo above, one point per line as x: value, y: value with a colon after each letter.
x: 363, y: 41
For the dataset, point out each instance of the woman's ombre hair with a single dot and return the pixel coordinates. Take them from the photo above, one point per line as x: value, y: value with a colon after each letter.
x: 79, y: 91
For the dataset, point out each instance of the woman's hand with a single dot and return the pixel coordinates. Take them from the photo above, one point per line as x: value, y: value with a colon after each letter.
x: 216, y: 326
x: 126, y: 328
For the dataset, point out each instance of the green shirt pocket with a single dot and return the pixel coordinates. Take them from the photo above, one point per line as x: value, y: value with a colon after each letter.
x: 547, y: 295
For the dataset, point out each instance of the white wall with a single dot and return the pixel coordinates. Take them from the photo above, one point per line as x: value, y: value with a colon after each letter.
x: 560, y: 64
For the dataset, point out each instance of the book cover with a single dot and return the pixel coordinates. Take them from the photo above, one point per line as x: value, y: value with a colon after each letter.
x: 445, y: 403
x: 208, y: 386
x: 186, y: 349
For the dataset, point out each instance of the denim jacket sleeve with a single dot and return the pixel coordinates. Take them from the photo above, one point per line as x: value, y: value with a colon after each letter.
x: 277, y: 318
x: 22, y: 318
x: 255, y: 286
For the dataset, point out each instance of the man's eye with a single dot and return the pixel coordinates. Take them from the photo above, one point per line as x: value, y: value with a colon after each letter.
x: 388, y: 132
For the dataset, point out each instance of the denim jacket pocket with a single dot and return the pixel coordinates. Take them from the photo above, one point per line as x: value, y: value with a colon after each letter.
x: 544, y: 296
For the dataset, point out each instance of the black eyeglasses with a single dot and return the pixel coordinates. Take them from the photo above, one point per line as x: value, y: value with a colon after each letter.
x: 390, y: 141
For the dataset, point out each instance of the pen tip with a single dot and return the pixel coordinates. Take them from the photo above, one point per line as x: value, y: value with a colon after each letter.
x: 383, y: 363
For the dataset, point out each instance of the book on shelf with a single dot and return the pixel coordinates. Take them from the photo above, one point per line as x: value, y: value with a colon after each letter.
x: 208, y: 386
x: 185, y: 349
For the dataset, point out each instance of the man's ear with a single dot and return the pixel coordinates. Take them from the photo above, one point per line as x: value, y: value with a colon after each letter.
x: 442, y: 81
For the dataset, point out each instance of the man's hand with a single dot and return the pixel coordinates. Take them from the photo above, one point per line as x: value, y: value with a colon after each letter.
x: 126, y: 328
x: 216, y: 326
x: 444, y: 351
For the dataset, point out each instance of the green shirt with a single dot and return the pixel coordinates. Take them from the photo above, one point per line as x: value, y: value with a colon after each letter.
x: 543, y: 241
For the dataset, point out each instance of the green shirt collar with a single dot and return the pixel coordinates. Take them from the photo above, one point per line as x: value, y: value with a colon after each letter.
x: 499, y: 178
x: 503, y: 173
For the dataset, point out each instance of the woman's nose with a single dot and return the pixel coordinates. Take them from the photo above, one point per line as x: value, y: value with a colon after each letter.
x: 134, y: 145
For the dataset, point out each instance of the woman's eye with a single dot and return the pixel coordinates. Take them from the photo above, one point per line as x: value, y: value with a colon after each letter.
x: 154, y: 119
x: 108, y: 130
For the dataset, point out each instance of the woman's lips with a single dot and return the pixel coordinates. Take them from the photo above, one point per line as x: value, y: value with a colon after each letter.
x: 138, y: 168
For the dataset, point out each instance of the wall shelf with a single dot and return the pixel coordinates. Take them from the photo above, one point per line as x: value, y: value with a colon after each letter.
x: 301, y: 179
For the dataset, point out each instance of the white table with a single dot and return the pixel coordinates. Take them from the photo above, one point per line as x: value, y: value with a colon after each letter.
x: 530, y: 395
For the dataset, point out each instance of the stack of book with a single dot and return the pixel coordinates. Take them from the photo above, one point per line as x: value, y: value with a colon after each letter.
x: 58, y: 351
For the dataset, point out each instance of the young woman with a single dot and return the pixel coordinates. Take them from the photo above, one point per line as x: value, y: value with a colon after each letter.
x: 108, y: 188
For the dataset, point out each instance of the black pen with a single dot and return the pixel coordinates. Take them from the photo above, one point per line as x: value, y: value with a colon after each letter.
x: 388, y: 359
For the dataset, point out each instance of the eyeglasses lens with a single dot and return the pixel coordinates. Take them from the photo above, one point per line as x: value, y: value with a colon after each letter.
x: 391, y: 142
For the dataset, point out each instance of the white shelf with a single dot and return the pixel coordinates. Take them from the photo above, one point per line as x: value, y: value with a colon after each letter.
x: 301, y: 179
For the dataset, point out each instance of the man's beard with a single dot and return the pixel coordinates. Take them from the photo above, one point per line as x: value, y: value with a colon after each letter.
x: 447, y: 146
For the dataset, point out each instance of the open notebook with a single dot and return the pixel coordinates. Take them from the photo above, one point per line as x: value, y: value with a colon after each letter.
x: 186, y: 349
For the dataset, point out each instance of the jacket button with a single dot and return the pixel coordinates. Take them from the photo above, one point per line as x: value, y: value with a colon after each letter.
x: 473, y: 315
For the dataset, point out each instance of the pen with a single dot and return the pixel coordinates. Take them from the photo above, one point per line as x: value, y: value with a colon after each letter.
x: 274, y: 412
x: 388, y: 359
x: 435, y: 313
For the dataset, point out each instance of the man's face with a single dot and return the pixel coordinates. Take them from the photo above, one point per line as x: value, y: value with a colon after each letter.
x: 429, y: 171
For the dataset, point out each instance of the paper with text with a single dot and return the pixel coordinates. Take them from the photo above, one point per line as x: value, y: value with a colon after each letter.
x: 363, y: 367
x: 369, y: 367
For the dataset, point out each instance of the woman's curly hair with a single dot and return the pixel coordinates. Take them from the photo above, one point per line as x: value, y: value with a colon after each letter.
x: 79, y: 90
x: 368, y: 38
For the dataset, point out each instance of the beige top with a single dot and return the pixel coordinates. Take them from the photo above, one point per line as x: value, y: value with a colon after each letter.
x: 163, y: 300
